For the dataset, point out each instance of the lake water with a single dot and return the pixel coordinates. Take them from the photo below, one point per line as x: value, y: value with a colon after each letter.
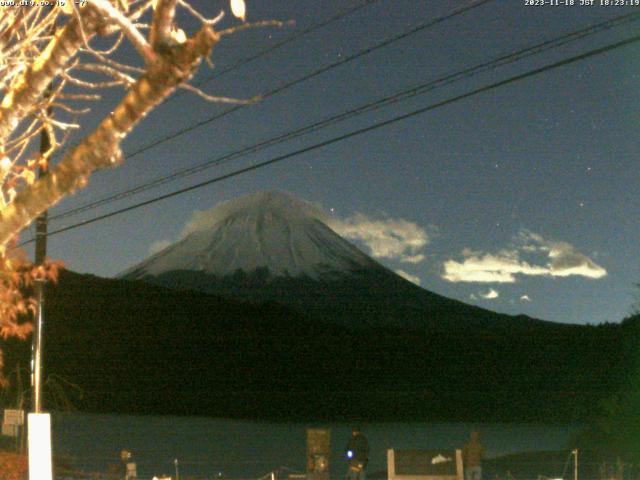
x: 208, y: 447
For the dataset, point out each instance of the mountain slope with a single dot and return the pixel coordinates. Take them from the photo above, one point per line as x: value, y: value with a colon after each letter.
x: 270, y: 231
x: 271, y: 246
x: 138, y: 348
x: 266, y: 312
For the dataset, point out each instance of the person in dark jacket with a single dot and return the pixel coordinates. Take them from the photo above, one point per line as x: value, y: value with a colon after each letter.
x: 472, y: 456
x: 357, y: 453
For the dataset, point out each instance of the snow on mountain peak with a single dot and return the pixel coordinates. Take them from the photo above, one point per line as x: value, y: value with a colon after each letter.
x: 282, y: 204
x: 265, y: 230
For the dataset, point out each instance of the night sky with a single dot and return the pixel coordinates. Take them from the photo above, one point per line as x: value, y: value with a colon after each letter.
x: 521, y: 199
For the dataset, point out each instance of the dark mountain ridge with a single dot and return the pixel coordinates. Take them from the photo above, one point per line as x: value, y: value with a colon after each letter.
x: 264, y: 311
x: 274, y: 247
x: 139, y: 348
x: 364, y: 299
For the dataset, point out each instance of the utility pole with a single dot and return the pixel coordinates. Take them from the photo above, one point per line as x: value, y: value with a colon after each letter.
x: 38, y: 423
x: 39, y: 284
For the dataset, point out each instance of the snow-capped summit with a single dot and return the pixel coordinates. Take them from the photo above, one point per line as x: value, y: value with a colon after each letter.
x: 274, y: 247
x: 265, y: 231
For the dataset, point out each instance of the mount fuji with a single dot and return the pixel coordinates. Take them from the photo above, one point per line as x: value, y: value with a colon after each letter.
x: 274, y: 247
x: 263, y: 311
x: 271, y: 231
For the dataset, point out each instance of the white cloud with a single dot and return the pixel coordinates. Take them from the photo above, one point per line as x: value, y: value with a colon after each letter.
x: 525, y: 298
x: 200, y: 220
x: 562, y: 260
x: 490, y: 294
x: 285, y: 202
x: 395, y: 239
x: 407, y: 276
x: 158, y: 246
x: 413, y: 258
x: 566, y: 261
x: 489, y: 268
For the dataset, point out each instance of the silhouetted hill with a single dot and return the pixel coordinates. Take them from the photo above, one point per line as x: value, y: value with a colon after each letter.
x: 139, y: 348
x: 275, y: 247
x: 363, y: 299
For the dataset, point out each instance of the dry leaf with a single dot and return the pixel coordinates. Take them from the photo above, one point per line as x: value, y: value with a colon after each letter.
x: 66, y: 6
x: 239, y: 9
x: 28, y: 176
x: 178, y: 35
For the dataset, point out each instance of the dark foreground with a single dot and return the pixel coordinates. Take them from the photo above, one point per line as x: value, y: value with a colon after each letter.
x: 128, y: 347
x: 521, y: 466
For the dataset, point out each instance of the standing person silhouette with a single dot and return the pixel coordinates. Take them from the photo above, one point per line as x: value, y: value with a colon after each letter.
x: 472, y: 455
x: 357, y: 453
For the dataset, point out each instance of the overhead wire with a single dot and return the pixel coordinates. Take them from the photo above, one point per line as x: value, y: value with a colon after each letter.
x: 289, y: 39
x: 402, y: 95
x: 342, y: 61
x: 354, y: 133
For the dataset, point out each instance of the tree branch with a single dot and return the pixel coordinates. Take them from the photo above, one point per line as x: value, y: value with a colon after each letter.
x: 162, y: 25
x: 101, y: 149
x: 132, y: 33
x: 26, y: 92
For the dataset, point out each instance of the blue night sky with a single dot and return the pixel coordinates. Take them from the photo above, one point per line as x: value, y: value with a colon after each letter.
x: 522, y: 199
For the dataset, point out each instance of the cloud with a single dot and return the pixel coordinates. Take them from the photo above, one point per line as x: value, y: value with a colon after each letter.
x: 565, y: 259
x: 158, y: 246
x: 394, y: 239
x: 407, y: 276
x: 525, y: 298
x: 387, y: 238
x: 200, y: 220
x: 562, y: 260
x: 490, y: 294
x: 283, y: 202
x: 489, y: 268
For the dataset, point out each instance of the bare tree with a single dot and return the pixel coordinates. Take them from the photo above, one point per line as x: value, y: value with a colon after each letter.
x: 49, y: 72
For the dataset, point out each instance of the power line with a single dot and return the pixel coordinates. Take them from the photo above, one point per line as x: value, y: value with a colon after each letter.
x: 384, y: 43
x: 368, y: 107
x: 291, y: 38
x: 453, y: 13
x: 264, y: 52
x: 355, y: 133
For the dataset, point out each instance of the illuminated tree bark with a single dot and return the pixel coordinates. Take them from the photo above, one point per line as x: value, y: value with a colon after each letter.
x: 35, y: 71
x: 27, y: 91
x: 101, y: 148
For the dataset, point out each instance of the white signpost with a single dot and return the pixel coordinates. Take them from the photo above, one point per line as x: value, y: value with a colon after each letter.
x: 39, y: 425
